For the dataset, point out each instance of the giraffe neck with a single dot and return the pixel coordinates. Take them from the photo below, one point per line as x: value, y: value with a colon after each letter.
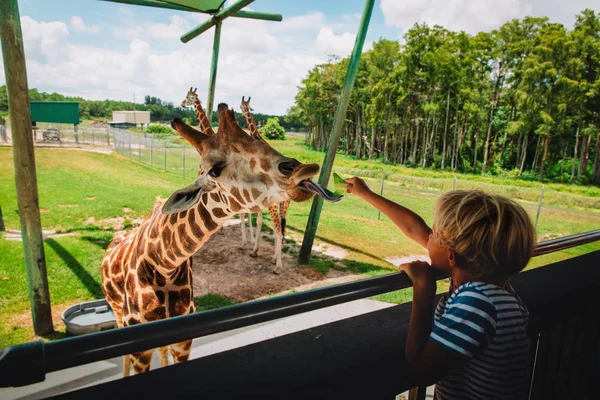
x: 203, y: 122
x: 173, y: 239
x: 250, y: 121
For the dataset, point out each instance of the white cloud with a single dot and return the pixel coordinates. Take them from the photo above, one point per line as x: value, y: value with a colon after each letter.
x: 43, y: 41
x: 252, y: 63
x: 330, y: 43
x: 78, y: 25
x: 469, y: 15
x: 310, y: 21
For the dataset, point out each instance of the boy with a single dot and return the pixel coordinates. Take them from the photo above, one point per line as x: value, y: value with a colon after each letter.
x: 477, y: 346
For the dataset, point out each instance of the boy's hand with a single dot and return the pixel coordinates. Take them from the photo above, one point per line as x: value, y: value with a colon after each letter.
x: 356, y: 186
x: 420, y: 274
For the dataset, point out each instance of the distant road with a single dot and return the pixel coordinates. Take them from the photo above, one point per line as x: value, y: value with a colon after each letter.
x: 296, y: 134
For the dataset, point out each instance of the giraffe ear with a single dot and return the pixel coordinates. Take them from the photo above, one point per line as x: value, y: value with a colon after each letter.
x: 191, y: 135
x: 185, y: 198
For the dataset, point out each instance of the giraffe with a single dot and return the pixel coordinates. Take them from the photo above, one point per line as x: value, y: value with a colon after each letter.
x: 277, y: 215
x: 191, y: 99
x: 146, y: 272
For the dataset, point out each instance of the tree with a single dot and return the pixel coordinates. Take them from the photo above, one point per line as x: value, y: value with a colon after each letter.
x: 273, y: 130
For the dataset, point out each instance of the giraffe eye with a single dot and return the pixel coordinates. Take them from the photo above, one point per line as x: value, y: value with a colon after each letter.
x: 215, y: 172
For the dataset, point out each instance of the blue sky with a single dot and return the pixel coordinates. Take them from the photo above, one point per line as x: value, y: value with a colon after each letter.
x: 99, y: 50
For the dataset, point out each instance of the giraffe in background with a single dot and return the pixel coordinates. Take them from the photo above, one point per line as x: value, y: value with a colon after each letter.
x: 146, y: 272
x: 192, y: 100
x: 277, y: 213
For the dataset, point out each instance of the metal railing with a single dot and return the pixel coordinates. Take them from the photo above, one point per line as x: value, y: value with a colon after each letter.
x: 28, y: 363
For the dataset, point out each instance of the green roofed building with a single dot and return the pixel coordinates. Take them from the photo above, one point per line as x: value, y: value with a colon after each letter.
x: 58, y: 112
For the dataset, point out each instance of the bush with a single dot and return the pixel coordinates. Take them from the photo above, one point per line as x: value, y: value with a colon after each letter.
x: 158, y: 129
x: 272, y: 130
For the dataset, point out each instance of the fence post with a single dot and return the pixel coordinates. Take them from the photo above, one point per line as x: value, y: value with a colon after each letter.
x: 539, y: 207
x: 92, y: 137
x: 76, y: 134
x: 140, y: 152
x: 151, y: 143
x: 2, y: 227
x: 183, y: 172
x: 381, y: 191
x: 165, y: 155
x: 454, y: 184
x: 107, y: 136
x: 129, y: 144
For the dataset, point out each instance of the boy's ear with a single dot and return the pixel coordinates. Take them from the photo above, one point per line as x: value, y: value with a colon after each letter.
x: 451, y: 258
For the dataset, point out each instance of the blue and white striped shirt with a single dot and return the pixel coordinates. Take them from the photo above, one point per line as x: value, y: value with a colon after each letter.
x: 487, y: 325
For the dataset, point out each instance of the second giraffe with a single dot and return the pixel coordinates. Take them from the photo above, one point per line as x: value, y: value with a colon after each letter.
x: 277, y: 212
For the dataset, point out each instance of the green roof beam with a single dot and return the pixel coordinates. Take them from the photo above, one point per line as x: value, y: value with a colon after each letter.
x: 258, y: 15
x: 154, y: 3
x: 221, y: 15
x: 170, y: 6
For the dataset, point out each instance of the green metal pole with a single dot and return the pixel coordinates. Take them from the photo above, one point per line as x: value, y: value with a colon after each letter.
x: 24, y: 163
x: 213, y: 72
x: 334, y: 138
x: 238, y: 14
x: 153, y: 3
x: 258, y: 15
x: 218, y: 17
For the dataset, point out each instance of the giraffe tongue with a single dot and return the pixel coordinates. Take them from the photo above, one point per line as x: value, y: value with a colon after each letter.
x: 320, y: 191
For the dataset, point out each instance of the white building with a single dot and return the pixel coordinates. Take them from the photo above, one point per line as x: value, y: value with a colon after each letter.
x: 130, y: 117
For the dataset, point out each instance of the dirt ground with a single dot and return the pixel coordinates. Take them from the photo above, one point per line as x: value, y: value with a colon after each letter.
x: 223, y: 267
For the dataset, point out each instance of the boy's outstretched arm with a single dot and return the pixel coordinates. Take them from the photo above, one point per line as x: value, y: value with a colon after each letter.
x: 411, y: 224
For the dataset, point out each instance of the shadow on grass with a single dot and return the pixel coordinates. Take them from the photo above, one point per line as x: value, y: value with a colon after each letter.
x: 56, y: 335
x: 101, y: 242
x: 84, y: 276
x: 336, y: 244
x: 323, y: 266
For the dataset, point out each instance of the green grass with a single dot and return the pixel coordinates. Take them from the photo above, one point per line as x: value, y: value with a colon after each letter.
x: 76, y: 186
x: 211, y: 301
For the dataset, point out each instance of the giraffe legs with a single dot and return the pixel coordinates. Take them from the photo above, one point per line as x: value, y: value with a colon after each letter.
x: 126, y: 365
x: 276, y: 221
x: 250, y: 228
x: 259, y: 218
x: 163, y: 353
x: 181, y: 351
x: 243, y: 224
x: 141, y: 361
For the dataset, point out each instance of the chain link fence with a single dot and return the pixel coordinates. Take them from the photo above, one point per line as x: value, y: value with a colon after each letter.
x: 64, y: 135
x: 552, y: 211
x: 172, y: 154
x: 167, y: 152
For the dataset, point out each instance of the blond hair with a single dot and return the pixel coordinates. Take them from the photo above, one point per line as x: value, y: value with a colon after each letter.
x: 492, y: 236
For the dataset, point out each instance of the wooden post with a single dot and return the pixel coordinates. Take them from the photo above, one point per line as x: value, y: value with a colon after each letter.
x: 24, y: 162
x: 338, y: 125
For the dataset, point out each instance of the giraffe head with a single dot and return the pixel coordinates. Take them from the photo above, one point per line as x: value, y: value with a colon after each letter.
x: 190, y: 98
x: 245, y: 104
x: 244, y: 169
